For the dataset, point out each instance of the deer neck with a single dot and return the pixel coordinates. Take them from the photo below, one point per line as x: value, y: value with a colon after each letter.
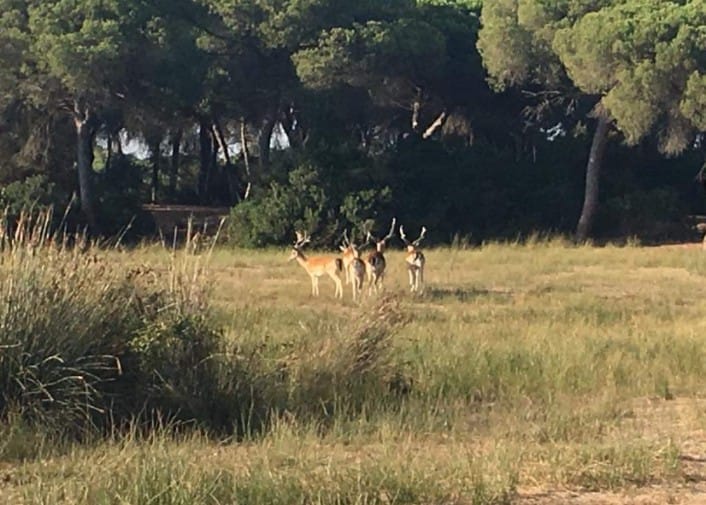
x: 302, y: 260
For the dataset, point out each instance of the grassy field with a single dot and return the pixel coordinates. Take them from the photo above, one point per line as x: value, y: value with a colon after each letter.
x: 533, y: 373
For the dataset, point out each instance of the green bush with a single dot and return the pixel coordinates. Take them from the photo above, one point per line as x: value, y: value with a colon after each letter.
x: 85, y: 342
x: 312, y: 199
x: 360, y: 207
x: 179, y: 369
x: 33, y: 192
x: 271, y: 216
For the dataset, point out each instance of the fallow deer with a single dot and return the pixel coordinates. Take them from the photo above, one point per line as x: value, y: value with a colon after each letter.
x: 353, y: 265
x: 349, y: 253
x: 375, y: 262
x: 317, y: 266
x: 415, y: 261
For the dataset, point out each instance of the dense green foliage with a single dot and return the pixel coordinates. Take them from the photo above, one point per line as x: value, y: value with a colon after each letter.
x: 440, y: 112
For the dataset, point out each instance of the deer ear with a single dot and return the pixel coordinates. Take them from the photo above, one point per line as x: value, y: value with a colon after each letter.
x: 343, y: 249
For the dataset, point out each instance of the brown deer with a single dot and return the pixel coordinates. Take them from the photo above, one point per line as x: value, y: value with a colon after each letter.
x: 349, y: 251
x: 317, y: 266
x: 415, y: 261
x: 353, y: 265
x: 375, y: 262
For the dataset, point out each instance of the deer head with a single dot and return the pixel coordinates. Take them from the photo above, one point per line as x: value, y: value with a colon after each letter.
x: 380, y: 243
x: 303, y: 238
x: 411, y: 246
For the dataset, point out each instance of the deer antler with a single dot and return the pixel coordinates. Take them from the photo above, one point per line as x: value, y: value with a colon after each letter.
x: 403, y: 236
x: 391, y: 233
x: 346, y: 240
x: 421, y: 236
x: 302, y: 239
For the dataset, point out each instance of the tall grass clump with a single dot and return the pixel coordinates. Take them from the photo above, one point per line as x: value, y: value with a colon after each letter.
x: 86, y: 343
x: 342, y: 374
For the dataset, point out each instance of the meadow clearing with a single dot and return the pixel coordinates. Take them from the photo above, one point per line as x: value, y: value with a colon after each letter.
x: 539, y: 373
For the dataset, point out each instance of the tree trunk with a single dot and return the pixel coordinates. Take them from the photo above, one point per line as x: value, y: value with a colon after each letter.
x: 244, y: 148
x: 593, y: 172
x: 215, y: 148
x: 109, y: 155
x: 154, y: 148
x: 229, y: 168
x: 118, y: 145
x: 263, y: 142
x: 206, y: 146
x: 85, y: 133
x: 438, y: 123
x: 221, y: 139
x: 174, y: 169
x: 246, y: 159
x: 415, y: 115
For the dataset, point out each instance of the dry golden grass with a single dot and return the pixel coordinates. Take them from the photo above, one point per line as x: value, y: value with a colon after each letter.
x: 529, y: 372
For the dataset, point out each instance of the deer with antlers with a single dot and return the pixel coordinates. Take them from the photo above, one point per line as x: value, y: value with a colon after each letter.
x: 353, y: 266
x: 375, y: 262
x: 317, y: 266
x: 415, y: 261
x: 350, y: 252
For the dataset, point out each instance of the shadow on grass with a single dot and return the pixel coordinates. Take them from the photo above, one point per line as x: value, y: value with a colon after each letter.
x: 464, y: 294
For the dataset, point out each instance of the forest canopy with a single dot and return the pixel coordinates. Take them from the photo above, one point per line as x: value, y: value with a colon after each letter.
x: 478, y: 119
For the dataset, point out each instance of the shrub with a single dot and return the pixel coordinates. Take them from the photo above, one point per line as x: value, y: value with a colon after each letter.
x: 308, y: 200
x: 35, y: 192
x: 359, y: 208
x: 84, y: 342
x: 271, y: 216
x: 179, y: 371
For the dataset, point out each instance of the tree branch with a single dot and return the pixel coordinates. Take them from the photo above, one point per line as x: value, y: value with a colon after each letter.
x: 438, y: 122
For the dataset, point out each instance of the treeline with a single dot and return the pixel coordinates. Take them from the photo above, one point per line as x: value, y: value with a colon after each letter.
x: 478, y: 119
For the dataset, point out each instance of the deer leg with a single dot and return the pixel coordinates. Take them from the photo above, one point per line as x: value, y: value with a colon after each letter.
x: 339, y: 288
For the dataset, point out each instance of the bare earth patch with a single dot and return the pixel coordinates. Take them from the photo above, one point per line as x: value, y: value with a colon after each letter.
x: 684, y: 495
